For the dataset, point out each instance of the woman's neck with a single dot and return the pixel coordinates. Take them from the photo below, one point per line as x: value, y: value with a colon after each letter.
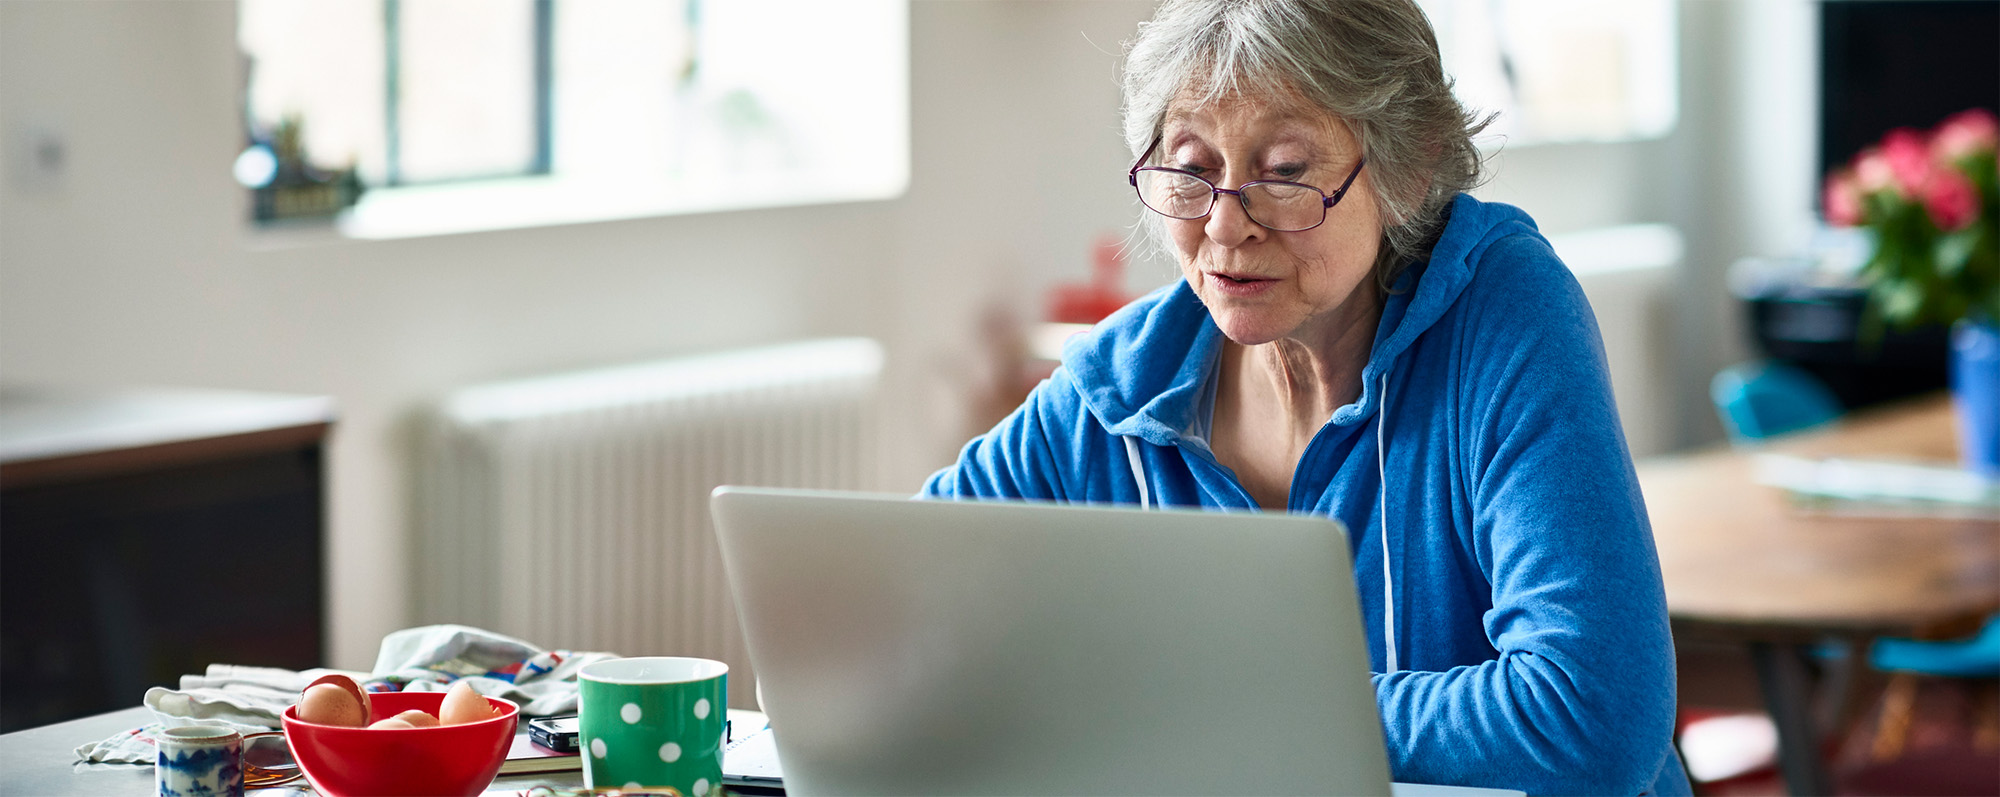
x: 1305, y: 377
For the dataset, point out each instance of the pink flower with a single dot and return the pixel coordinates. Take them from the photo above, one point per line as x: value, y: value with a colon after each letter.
x: 1965, y: 133
x: 1951, y: 200
x: 1842, y: 199
x: 1909, y: 158
x: 1872, y: 172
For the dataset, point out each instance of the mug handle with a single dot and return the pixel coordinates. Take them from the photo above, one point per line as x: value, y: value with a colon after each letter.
x: 256, y: 776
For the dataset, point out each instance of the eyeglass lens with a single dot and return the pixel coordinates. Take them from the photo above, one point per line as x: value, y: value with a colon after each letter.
x: 1279, y: 206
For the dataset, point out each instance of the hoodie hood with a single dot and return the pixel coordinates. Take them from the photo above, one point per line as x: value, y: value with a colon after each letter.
x: 1146, y: 371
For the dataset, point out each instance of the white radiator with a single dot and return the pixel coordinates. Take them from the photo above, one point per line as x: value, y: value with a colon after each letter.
x: 572, y: 511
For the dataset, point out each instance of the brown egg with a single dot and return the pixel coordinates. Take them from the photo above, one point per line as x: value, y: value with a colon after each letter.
x: 328, y: 704
x: 337, y: 710
x: 417, y: 718
x: 392, y: 723
x: 462, y: 704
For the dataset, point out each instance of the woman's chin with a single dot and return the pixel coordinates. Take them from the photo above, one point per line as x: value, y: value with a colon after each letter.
x: 1249, y: 331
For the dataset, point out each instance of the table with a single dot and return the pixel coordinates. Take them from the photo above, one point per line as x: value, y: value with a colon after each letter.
x: 42, y: 761
x: 1742, y: 562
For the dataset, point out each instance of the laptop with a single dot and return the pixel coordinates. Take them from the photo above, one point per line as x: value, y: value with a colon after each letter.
x: 939, y: 647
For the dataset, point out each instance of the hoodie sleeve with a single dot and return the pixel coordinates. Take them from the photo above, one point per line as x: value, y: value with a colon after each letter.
x: 1580, y: 699
x: 1017, y: 459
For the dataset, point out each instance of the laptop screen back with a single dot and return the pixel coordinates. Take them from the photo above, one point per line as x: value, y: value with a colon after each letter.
x: 1003, y: 647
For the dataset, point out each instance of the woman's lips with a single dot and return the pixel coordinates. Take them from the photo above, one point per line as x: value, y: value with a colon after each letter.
x: 1238, y: 284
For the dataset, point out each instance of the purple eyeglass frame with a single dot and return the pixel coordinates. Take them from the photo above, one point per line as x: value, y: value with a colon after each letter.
x: 1327, y: 200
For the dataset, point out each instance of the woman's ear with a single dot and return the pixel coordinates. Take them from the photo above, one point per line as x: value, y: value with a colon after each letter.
x: 1420, y: 190
x: 1405, y: 201
x: 1402, y: 201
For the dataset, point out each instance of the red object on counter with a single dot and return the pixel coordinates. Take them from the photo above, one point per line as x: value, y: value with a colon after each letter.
x: 1089, y: 302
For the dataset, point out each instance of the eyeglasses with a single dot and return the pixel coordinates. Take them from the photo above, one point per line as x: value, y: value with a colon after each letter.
x: 1273, y: 204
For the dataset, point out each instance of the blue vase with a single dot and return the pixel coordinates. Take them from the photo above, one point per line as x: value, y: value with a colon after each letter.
x: 1975, y: 388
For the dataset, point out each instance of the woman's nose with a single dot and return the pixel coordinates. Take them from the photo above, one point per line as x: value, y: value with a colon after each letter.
x: 1229, y: 225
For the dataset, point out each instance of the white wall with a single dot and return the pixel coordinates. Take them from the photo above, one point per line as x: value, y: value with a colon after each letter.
x: 1735, y: 176
x: 135, y: 266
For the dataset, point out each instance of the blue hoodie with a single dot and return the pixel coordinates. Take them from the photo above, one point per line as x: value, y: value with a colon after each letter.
x: 1516, y: 619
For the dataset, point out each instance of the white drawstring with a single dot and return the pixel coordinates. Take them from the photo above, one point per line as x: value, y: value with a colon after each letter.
x: 1382, y: 470
x: 1138, y: 472
x: 1388, y: 578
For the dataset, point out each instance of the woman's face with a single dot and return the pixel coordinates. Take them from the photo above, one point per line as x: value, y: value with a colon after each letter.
x: 1261, y: 285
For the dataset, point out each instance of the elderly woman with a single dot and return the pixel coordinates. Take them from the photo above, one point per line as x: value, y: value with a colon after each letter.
x: 1354, y: 336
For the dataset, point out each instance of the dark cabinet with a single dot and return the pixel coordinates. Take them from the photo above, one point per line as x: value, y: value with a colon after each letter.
x: 147, y: 534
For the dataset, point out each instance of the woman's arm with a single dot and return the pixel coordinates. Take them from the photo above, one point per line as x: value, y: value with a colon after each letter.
x: 1581, y: 697
x: 1015, y: 459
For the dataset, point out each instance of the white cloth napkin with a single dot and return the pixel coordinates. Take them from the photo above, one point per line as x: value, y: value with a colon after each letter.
x: 423, y: 659
x: 432, y: 658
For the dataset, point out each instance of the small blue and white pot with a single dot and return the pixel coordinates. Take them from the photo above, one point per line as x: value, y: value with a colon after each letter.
x: 203, y: 760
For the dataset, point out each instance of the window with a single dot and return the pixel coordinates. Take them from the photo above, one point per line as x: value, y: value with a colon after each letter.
x: 467, y: 89
x: 459, y: 115
x: 1562, y: 70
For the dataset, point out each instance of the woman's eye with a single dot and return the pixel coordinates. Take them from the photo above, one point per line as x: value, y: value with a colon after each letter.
x: 1289, y: 171
x: 1191, y: 168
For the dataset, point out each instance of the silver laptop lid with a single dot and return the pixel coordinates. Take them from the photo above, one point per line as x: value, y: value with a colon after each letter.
x: 935, y: 647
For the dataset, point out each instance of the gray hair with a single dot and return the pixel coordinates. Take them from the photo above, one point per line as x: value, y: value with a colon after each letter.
x: 1373, y: 64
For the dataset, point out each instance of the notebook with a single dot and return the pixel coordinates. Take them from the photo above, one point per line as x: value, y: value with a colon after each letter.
x: 936, y: 647
x: 525, y: 756
x: 751, y: 759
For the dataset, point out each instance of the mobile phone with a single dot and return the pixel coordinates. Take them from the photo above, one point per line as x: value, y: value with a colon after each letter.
x: 555, y: 733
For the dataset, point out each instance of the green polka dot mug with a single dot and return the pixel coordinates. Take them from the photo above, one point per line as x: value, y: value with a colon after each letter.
x: 653, y: 722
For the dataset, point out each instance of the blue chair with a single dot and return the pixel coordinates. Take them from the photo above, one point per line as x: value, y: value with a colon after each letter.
x: 1763, y: 399
x: 1978, y: 657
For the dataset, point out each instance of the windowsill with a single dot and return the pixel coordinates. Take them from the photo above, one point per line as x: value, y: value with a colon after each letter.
x: 1490, y: 143
x: 510, y: 204
x: 1627, y: 249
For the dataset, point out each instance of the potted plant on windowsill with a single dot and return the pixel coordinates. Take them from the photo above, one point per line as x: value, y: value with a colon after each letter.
x: 1930, y: 201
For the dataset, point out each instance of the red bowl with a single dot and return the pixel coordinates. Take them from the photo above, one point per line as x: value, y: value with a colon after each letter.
x: 445, y: 760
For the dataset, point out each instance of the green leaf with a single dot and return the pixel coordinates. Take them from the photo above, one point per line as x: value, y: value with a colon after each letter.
x: 1952, y: 251
x: 1946, y: 308
x: 1889, y: 256
x: 1905, y: 299
x: 1919, y: 274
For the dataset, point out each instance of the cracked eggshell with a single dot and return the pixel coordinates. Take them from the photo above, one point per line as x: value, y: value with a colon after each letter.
x: 334, y: 700
x: 417, y: 718
x: 463, y: 704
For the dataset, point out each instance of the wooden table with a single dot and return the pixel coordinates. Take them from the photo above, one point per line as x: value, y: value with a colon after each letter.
x: 1745, y: 562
